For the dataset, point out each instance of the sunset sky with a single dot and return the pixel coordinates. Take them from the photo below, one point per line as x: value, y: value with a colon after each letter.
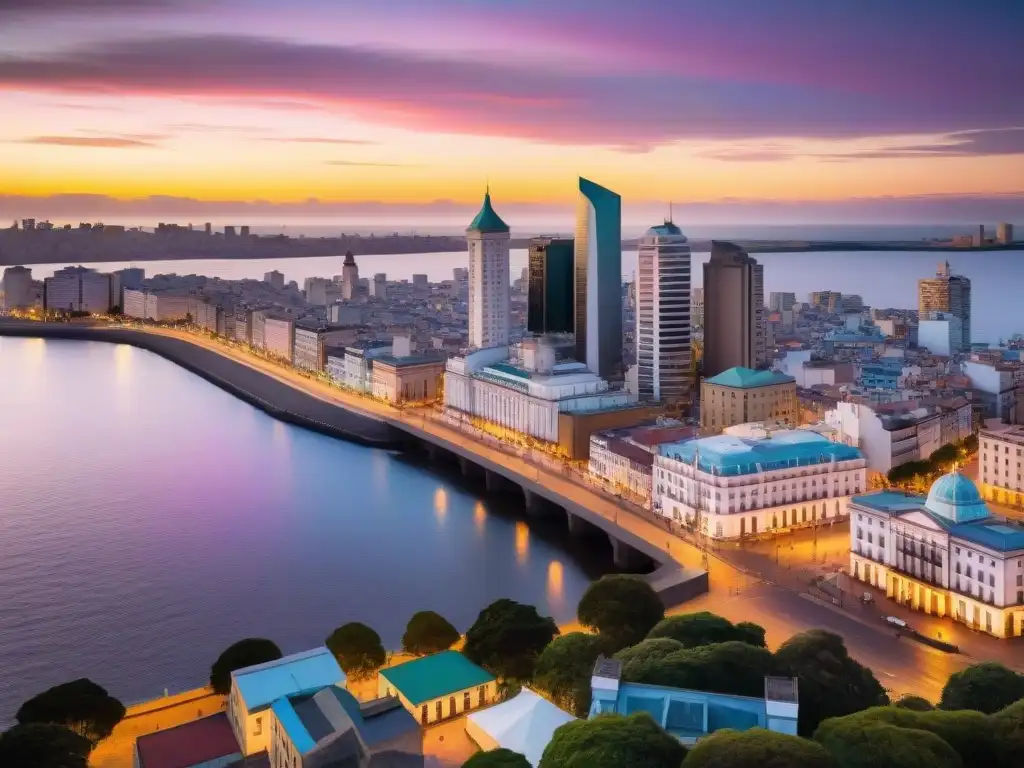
x: 826, y: 106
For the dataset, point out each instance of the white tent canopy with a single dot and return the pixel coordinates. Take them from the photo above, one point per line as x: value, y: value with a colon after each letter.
x: 524, y: 724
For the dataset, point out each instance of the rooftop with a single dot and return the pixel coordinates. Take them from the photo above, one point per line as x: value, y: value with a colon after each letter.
x: 735, y: 455
x: 668, y: 229
x: 184, y: 746
x: 487, y: 220
x: 747, y: 378
x: 399, y: 362
x: 293, y: 675
x: 434, y: 676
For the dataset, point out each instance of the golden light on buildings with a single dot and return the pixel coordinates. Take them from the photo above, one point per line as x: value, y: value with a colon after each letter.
x: 522, y: 542
x: 440, y: 504
x: 479, y: 517
x: 555, y: 581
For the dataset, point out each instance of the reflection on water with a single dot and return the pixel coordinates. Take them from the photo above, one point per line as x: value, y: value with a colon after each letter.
x: 522, y: 542
x: 479, y: 517
x: 555, y: 581
x: 440, y: 505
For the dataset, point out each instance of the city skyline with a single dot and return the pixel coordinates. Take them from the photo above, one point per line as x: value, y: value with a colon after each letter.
x: 305, y: 110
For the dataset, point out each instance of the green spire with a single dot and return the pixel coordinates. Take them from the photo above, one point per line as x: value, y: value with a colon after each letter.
x: 487, y: 221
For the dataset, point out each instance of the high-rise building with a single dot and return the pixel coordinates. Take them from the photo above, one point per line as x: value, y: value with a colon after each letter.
x: 245, y: 230
x: 489, y: 312
x: 733, y: 310
x: 830, y: 301
x: 17, y: 285
x: 274, y: 279
x: 460, y: 274
x: 349, y: 277
x: 697, y: 307
x: 947, y: 293
x: 979, y: 236
x: 378, y: 287
x: 1004, y: 233
x: 781, y: 302
x: 663, y: 316
x: 315, y: 289
x: 550, y: 283
x: 598, y: 283
x: 208, y: 228
x: 77, y: 289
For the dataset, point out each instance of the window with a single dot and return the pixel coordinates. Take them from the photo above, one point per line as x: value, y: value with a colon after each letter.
x: 438, y: 708
x: 465, y: 701
x: 258, y: 730
x: 482, y: 695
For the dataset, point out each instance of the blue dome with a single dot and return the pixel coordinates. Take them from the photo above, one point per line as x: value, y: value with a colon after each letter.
x: 956, y: 498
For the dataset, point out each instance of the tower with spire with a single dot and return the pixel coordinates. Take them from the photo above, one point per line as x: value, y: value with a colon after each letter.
x: 487, y: 239
x: 349, y: 277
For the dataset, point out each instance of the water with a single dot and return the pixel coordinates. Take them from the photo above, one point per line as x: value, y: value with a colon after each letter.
x: 149, y: 519
x: 883, y: 279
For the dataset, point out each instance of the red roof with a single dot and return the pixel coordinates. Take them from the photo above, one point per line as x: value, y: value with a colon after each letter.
x: 188, y: 745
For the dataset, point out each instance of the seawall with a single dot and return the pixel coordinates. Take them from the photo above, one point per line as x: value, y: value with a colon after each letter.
x: 273, y: 397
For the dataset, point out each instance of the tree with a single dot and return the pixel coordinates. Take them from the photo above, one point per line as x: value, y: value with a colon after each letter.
x: 497, y: 758
x: 428, y: 632
x: 81, y: 706
x: 507, y: 637
x: 358, y: 650
x: 622, y: 608
x: 43, y: 745
x: 866, y: 744
x: 831, y: 684
x: 244, y: 653
x: 734, y: 668
x: 987, y: 687
x: 651, y: 649
x: 947, y: 454
x: 1009, y: 728
x: 756, y: 748
x: 564, y: 670
x: 912, y: 702
x: 705, y: 628
x: 613, y: 741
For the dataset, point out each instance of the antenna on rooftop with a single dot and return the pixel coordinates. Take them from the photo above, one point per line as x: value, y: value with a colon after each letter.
x: 669, y: 221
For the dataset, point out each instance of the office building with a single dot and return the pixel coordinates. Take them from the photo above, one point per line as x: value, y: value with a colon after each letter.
x: 979, y: 236
x: 550, y: 286
x: 77, y: 289
x: 460, y: 275
x: 781, y: 302
x: 17, y: 288
x: 664, y: 365
x: 733, y: 310
x: 316, y: 289
x: 598, y: 283
x: 275, y: 280
x: 743, y: 395
x: 487, y: 239
x: 378, y: 287
x: 947, y: 293
x: 1004, y: 233
x: 944, y: 555
x: 829, y: 301
x: 941, y: 333
x: 729, y: 486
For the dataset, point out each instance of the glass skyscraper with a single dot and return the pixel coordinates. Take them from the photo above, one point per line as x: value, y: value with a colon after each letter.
x: 550, y: 278
x: 598, y: 283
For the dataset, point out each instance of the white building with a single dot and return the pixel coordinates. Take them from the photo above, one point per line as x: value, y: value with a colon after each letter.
x: 664, y: 371
x: 1000, y: 464
x: 354, y: 370
x: 893, y: 435
x: 1004, y: 233
x: 17, y: 288
x: 997, y: 386
x: 311, y: 343
x: 729, y: 487
x: 207, y: 315
x: 77, y: 289
x: 528, y: 395
x: 946, y: 555
x: 164, y: 307
x: 315, y: 289
x: 274, y: 279
x: 279, y: 337
x: 624, y: 458
x: 941, y: 334
x: 488, y: 241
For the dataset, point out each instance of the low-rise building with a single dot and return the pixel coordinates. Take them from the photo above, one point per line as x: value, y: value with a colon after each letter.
x: 999, y: 385
x: 1000, y: 464
x: 354, y: 368
x: 312, y: 341
x: 438, y: 687
x: 624, y: 457
x: 729, y: 486
x: 407, y: 379
x: 691, y: 715
x: 207, y: 742
x: 743, y: 395
x: 944, y: 555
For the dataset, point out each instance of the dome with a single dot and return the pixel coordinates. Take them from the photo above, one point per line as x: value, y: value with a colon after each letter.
x: 488, y: 221
x: 956, y: 498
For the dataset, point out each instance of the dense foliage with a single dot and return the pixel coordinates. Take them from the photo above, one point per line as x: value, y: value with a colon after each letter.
x: 81, y: 706
x: 43, y: 745
x: 916, y: 703
x: 621, y: 608
x: 987, y: 687
x: 652, y: 649
x: 428, y: 632
x: 756, y: 748
x: 244, y: 653
x: 733, y: 667
x: 507, y: 637
x: 497, y: 758
x: 868, y: 744
x: 564, y: 669
x: 613, y: 741
x: 705, y: 628
x: 358, y: 649
x: 831, y: 683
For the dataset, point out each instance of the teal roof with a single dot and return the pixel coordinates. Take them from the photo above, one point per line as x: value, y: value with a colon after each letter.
x: 294, y: 675
x: 434, y: 676
x: 956, y: 498
x: 487, y: 220
x: 747, y: 378
x: 668, y: 229
x: 293, y: 726
x: 734, y: 455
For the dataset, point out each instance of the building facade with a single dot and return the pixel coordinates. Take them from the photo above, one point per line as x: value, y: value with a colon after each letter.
x: 941, y: 333
x: 489, y: 301
x: 742, y: 395
x: 947, y: 293
x: 664, y: 365
x: 624, y: 458
x: 274, y: 279
x: 550, y: 285
x: 77, y: 289
x: 733, y: 310
x: 729, y: 487
x: 1004, y: 233
x: 438, y: 687
x: 411, y: 379
x: 598, y: 281
x: 279, y: 337
x: 944, y: 555
x: 316, y: 289
x: 1000, y: 464
x: 17, y: 286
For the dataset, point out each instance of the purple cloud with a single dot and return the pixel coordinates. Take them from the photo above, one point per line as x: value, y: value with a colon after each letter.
x: 631, y: 110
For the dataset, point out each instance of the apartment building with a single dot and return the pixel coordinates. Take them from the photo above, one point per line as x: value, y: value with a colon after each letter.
x: 743, y: 395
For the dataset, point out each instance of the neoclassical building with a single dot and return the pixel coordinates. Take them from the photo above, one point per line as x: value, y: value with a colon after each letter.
x: 945, y: 555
